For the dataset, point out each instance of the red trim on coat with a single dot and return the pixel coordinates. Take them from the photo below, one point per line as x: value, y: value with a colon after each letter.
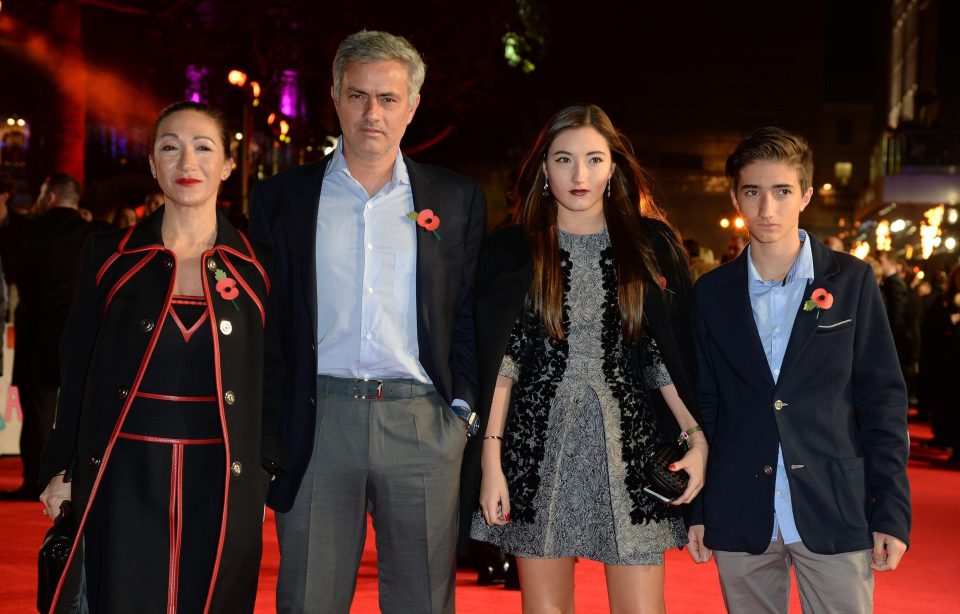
x: 122, y: 246
x: 173, y: 397
x: 183, y: 329
x: 116, y: 430
x: 106, y: 265
x: 173, y: 565
x: 126, y: 277
x: 256, y: 263
x: 226, y: 433
x: 246, y: 287
x: 171, y: 440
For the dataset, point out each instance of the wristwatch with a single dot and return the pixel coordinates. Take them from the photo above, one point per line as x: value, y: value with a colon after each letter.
x: 469, y: 417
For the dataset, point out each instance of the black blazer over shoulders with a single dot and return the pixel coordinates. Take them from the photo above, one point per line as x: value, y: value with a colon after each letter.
x: 283, y: 215
x: 838, y: 410
x: 504, y: 277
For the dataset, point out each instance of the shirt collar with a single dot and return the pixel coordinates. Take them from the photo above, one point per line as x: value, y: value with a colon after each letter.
x: 339, y: 164
x: 802, y: 267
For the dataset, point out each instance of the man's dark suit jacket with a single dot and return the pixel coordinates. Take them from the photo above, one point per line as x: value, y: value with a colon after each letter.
x: 839, y: 410
x: 41, y: 256
x: 284, y: 211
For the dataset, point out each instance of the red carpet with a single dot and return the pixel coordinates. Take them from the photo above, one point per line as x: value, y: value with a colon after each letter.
x: 927, y: 581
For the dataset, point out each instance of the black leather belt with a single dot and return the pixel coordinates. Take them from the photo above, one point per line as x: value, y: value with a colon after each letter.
x: 372, y: 389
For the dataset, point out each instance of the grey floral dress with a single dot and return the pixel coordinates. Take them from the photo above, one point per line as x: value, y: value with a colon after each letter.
x: 582, y: 505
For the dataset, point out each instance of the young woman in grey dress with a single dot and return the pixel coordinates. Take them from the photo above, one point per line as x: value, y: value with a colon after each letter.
x: 584, y: 355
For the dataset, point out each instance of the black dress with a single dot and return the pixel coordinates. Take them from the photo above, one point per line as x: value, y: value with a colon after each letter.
x: 152, y: 534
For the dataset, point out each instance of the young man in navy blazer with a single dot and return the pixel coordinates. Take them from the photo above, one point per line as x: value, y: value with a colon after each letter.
x: 803, y: 401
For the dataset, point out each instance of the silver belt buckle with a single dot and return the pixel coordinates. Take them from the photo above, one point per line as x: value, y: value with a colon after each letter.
x: 363, y: 397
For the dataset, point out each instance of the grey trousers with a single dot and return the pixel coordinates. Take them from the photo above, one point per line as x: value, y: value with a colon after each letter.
x: 827, y: 583
x: 398, y: 459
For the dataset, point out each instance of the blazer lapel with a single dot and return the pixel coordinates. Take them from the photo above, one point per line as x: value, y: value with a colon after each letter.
x: 308, y: 270
x: 738, y: 311
x: 805, y: 325
x: 425, y: 196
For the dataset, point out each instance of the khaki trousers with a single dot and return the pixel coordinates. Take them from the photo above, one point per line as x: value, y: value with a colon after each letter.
x: 828, y: 583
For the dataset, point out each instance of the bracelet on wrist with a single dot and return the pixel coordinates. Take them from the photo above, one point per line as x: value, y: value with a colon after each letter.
x: 685, y: 435
x: 497, y: 437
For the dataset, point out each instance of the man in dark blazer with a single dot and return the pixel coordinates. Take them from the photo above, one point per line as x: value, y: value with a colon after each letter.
x: 375, y: 277
x: 803, y: 403
x: 41, y: 257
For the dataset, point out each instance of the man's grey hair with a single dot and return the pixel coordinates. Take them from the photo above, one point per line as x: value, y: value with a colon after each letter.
x: 374, y: 46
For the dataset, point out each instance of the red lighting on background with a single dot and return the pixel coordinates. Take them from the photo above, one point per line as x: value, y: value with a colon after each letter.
x: 237, y: 77
x: 255, y: 88
x: 271, y: 118
x: 284, y: 126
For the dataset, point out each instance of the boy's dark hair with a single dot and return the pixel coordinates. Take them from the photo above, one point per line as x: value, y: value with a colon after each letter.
x: 772, y: 144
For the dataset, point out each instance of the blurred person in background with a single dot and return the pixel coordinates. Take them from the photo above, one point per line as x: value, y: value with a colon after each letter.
x: 940, y: 365
x: 41, y: 256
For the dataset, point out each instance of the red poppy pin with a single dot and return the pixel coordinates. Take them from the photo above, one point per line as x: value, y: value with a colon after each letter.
x: 227, y: 287
x: 820, y: 299
x: 427, y: 220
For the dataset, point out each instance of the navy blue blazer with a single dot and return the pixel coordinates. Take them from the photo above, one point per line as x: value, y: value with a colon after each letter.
x: 838, y: 409
x: 283, y: 215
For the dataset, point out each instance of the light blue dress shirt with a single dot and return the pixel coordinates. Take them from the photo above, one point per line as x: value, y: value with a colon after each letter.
x: 366, y: 277
x: 775, y: 304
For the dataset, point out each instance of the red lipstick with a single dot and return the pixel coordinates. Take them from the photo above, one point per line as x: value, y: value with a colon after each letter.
x: 187, y: 181
x: 579, y: 192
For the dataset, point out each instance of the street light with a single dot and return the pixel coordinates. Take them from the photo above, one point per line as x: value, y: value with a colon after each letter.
x: 738, y: 223
x: 724, y: 223
x: 237, y: 77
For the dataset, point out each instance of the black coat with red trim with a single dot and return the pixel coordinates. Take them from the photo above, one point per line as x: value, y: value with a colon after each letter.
x: 124, y: 288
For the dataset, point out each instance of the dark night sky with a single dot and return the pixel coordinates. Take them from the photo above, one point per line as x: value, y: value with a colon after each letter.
x: 659, y: 68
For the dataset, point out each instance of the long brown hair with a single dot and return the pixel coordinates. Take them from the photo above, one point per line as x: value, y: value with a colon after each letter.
x: 629, y: 202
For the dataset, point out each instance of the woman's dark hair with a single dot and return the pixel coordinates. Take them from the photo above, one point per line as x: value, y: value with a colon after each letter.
x: 199, y: 107
x: 629, y: 202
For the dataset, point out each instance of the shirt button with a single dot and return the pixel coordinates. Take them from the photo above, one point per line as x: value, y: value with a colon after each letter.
x: 767, y: 469
x: 226, y: 327
x: 236, y: 467
x: 776, y: 371
x: 776, y: 330
x: 369, y: 245
x: 369, y: 290
x: 122, y: 392
x: 778, y: 493
x: 146, y: 325
x: 212, y: 264
x: 369, y: 336
x: 369, y: 205
x: 229, y: 397
x: 778, y: 405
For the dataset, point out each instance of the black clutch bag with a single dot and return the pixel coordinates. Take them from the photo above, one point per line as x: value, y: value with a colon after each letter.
x: 663, y: 484
x: 57, y: 544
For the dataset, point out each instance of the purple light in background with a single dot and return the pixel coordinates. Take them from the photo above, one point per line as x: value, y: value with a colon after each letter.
x: 289, y: 94
x: 196, y: 79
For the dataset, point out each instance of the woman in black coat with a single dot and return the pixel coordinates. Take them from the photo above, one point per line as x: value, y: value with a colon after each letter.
x: 165, y: 439
x: 585, y: 366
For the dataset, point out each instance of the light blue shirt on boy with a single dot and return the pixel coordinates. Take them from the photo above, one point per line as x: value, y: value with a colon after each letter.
x: 775, y: 304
